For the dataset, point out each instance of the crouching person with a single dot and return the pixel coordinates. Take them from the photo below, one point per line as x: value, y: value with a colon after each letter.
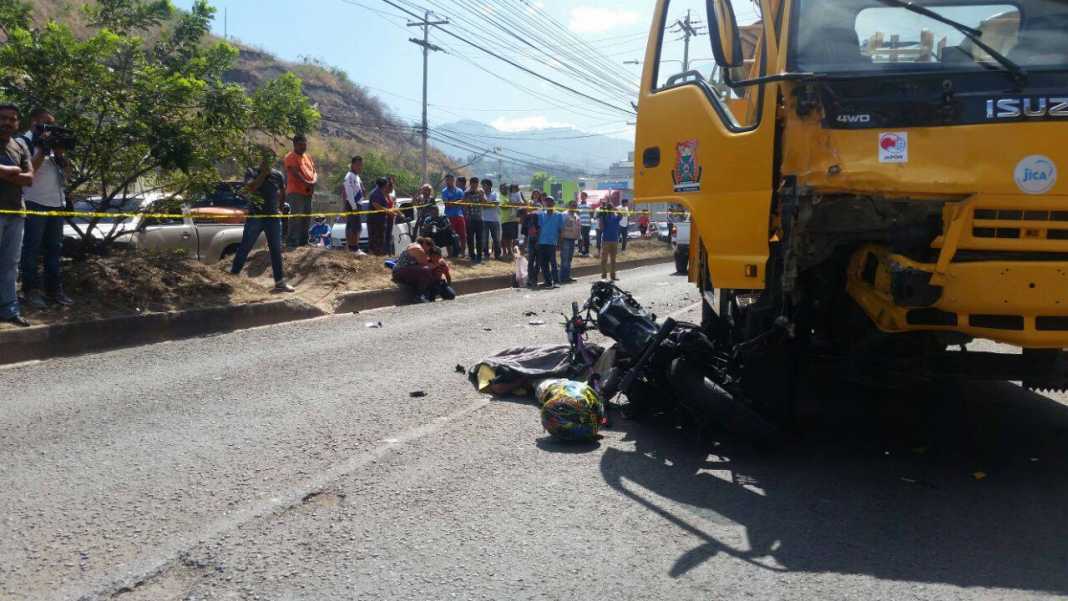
x: 441, y: 268
x: 413, y: 270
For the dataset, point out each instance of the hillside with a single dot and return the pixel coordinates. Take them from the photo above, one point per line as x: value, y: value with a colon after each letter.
x: 353, y: 120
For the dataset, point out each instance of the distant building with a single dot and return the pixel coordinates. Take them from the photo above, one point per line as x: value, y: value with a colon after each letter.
x: 623, y: 170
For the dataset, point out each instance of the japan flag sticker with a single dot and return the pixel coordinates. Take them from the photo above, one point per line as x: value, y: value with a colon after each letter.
x: 894, y: 147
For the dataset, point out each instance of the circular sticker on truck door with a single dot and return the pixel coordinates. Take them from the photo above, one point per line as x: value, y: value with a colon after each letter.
x: 1036, y: 174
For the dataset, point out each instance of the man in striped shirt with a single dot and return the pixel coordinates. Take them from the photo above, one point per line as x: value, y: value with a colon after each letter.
x: 585, y: 220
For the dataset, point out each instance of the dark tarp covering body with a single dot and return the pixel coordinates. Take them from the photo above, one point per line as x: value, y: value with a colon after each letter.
x: 519, y: 368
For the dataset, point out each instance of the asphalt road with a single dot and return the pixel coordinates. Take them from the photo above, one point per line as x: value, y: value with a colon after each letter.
x: 290, y: 463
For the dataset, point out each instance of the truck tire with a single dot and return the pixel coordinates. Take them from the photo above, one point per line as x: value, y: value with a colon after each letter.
x: 229, y: 251
x: 682, y: 261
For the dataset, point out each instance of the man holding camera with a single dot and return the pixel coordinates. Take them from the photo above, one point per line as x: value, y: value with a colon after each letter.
x: 16, y: 172
x: 44, y: 234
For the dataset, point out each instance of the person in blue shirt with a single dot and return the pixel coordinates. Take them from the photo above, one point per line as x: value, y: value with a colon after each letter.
x: 451, y: 194
x: 550, y: 228
x: 610, y: 230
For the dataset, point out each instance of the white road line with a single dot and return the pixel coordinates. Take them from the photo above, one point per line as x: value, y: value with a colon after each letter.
x: 140, y: 572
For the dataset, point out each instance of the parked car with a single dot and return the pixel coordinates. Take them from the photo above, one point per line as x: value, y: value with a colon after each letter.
x: 208, y: 235
x: 75, y: 229
x: 663, y: 231
x: 224, y: 196
x: 403, y: 233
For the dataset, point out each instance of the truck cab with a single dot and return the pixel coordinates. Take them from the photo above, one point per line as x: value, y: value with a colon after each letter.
x: 872, y: 178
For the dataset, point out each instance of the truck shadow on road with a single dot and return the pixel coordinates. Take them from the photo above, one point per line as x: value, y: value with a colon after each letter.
x: 962, y: 486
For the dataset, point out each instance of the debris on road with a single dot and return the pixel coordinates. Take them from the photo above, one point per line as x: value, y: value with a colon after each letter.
x: 460, y: 369
x: 536, y: 322
x: 373, y: 325
x: 418, y: 394
x: 530, y: 314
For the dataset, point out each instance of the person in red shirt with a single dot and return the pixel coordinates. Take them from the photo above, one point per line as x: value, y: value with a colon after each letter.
x: 301, y: 178
x: 643, y: 224
x: 441, y: 267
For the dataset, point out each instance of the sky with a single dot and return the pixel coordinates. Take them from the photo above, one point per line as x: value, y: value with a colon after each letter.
x: 368, y: 39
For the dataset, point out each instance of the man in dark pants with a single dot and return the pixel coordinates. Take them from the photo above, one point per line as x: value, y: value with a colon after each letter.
x: 301, y: 178
x: 16, y: 172
x: 476, y: 240
x: 352, y: 193
x: 586, y: 221
x: 550, y: 228
x: 266, y: 185
x: 377, y: 220
x: 44, y: 234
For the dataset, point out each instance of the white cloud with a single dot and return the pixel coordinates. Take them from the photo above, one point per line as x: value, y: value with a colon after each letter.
x: 518, y: 124
x: 591, y: 19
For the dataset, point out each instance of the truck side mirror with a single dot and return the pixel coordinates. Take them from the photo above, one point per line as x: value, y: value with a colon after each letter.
x: 726, y: 41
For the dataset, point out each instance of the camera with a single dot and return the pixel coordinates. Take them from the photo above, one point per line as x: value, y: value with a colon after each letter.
x: 50, y: 137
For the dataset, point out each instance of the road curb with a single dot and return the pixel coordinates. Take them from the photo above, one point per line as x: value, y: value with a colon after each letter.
x: 79, y: 338
x: 69, y: 339
x: 354, y: 302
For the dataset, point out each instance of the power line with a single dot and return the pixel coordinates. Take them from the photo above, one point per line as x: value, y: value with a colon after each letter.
x: 427, y: 47
x: 516, y: 65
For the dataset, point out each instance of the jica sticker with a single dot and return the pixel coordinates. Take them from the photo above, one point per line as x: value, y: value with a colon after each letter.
x: 1036, y: 174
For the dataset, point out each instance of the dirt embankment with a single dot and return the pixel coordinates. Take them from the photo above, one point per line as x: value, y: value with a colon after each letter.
x: 132, y: 283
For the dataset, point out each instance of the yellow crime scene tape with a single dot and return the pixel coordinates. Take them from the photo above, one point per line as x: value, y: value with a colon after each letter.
x: 223, y: 217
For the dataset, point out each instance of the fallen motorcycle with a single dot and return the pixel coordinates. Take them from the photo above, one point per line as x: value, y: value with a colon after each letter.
x: 661, y: 367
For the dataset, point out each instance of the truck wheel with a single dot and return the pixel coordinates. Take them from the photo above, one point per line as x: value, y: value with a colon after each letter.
x: 682, y: 261
x: 229, y: 251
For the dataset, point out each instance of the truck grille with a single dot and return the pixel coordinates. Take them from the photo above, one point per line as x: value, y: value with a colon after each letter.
x: 1033, y: 225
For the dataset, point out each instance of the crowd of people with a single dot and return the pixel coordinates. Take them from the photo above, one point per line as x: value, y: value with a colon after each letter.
x: 480, y: 221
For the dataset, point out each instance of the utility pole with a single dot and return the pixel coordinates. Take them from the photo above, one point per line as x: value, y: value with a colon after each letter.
x: 689, y: 28
x: 426, y: 24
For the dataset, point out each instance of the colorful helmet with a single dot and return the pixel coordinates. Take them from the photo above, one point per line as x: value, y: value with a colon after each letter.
x: 571, y: 411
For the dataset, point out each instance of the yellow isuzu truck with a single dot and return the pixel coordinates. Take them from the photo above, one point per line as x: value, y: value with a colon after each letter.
x: 872, y: 181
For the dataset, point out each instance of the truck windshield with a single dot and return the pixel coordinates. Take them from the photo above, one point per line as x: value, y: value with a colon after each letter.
x: 834, y: 36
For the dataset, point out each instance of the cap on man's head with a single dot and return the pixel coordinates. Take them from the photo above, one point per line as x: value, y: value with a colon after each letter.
x: 548, y: 200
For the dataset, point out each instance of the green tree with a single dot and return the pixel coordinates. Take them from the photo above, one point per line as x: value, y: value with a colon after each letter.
x: 539, y: 181
x: 154, y: 119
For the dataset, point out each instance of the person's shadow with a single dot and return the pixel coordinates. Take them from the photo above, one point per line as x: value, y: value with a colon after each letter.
x: 966, y: 487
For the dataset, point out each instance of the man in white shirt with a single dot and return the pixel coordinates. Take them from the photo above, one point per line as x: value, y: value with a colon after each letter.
x: 353, y: 194
x: 624, y: 225
x: 491, y: 221
x: 44, y: 234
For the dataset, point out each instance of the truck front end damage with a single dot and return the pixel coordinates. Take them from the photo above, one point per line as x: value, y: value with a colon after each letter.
x: 874, y: 183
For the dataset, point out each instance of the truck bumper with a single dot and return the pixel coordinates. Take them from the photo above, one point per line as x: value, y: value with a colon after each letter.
x: 1022, y: 301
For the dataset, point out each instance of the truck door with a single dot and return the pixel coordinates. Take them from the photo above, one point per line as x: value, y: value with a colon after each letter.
x: 707, y: 146
x: 168, y: 234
